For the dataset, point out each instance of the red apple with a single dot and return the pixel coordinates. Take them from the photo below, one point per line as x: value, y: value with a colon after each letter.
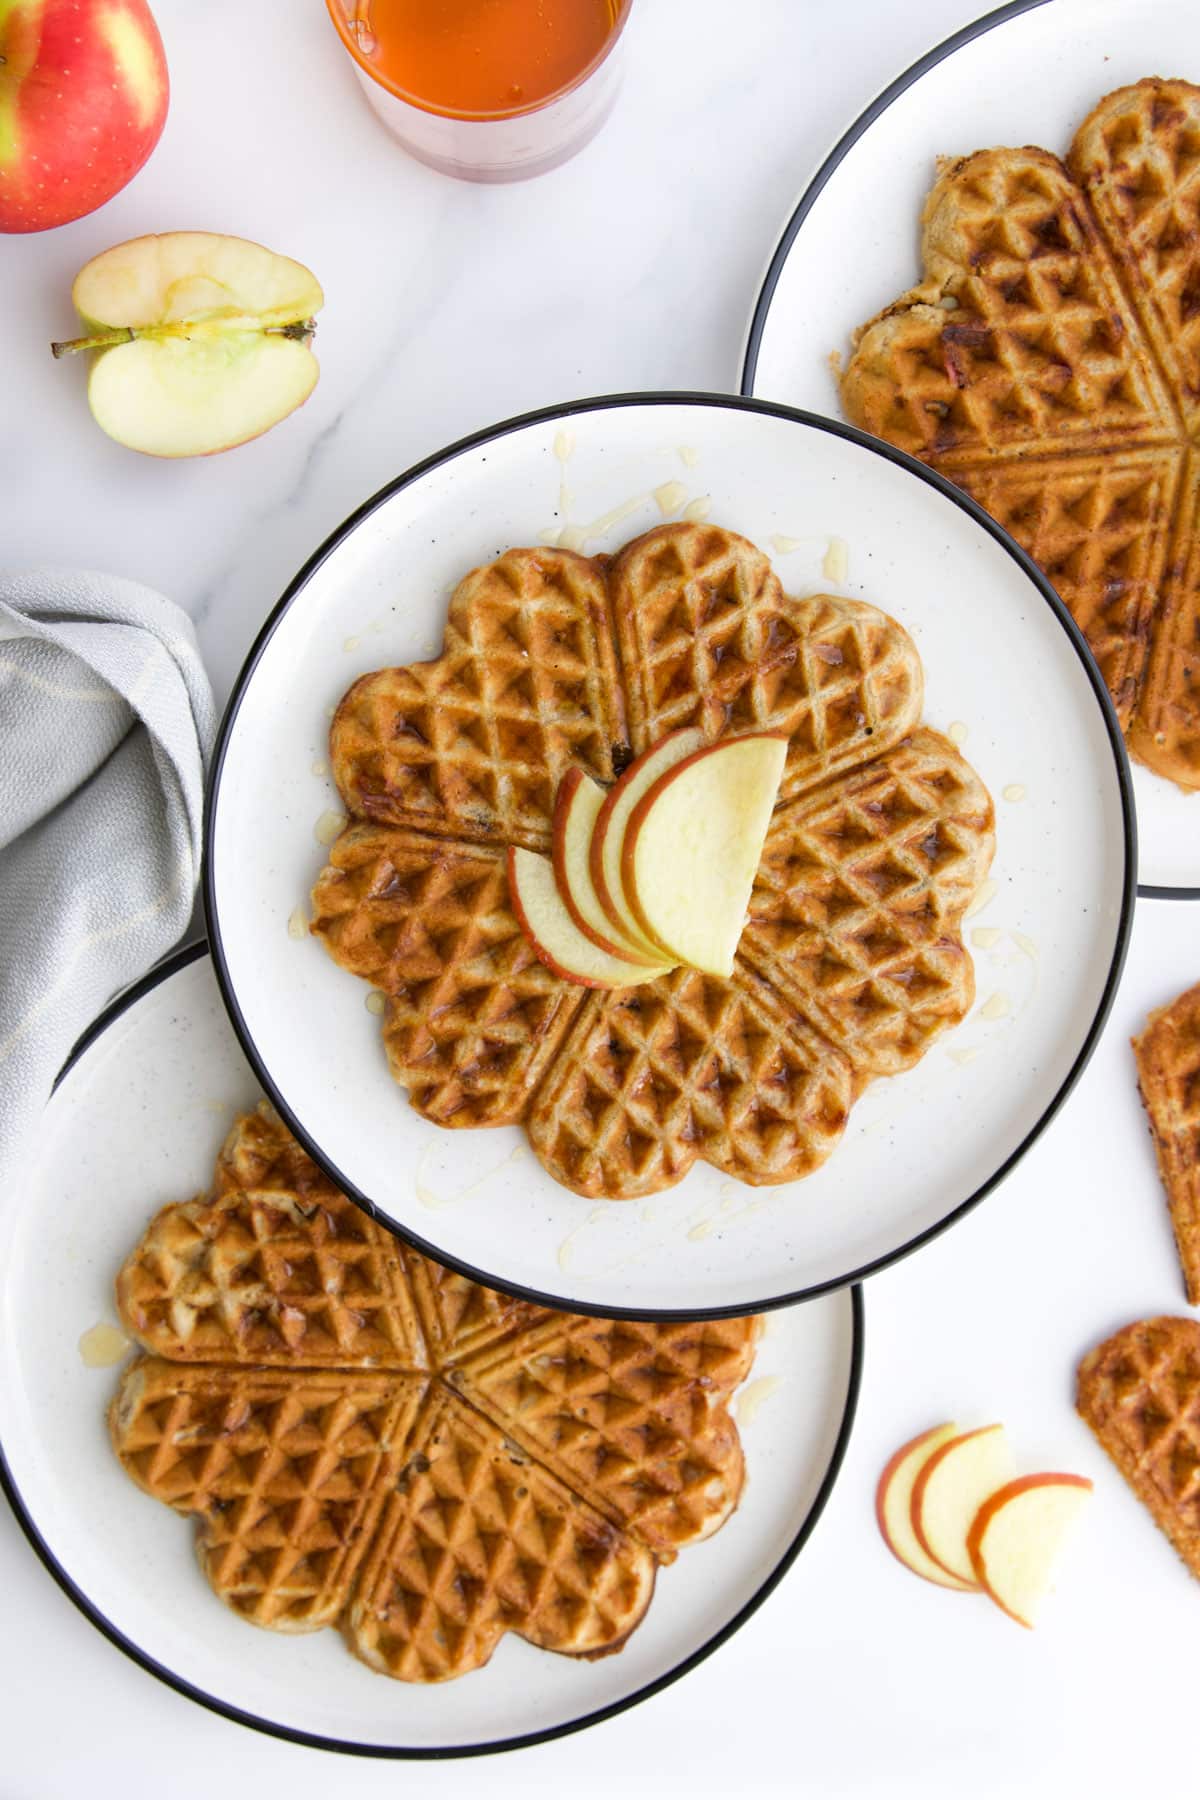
x: 83, y: 100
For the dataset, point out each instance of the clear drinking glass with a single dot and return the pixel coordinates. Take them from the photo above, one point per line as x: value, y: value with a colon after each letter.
x: 507, y: 145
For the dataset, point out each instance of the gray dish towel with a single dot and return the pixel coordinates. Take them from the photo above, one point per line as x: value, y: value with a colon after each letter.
x: 106, y: 723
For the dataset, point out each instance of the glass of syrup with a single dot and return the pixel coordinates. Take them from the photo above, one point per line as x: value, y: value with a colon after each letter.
x: 488, y: 90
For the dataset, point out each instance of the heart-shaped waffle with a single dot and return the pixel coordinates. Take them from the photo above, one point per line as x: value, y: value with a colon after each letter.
x: 1049, y: 363
x: 429, y: 1462
x: 1140, y: 1393
x: 881, y: 834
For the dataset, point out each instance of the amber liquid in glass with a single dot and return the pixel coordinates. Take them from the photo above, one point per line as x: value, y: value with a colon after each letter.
x: 482, y: 56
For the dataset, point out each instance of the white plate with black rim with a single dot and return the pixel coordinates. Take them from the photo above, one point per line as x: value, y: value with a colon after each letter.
x: 1026, y: 74
x: 1005, y: 668
x: 136, y: 1121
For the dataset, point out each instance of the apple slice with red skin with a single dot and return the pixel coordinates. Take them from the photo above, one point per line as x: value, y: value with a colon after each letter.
x: 893, y: 1507
x: 1016, y: 1536
x: 608, y: 835
x: 693, y: 845
x: 950, y: 1487
x: 576, y: 810
x: 556, y: 939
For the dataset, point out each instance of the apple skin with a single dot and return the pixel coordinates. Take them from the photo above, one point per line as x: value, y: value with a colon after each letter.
x: 610, y: 822
x: 83, y: 99
x: 995, y: 1503
x: 569, y: 796
x: 922, y: 1482
x: 606, y: 971
x: 896, y: 1467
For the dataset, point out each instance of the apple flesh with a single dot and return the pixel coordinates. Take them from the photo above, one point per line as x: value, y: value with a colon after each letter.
x: 576, y: 810
x: 1017, y: 1535
x: 948, y: 1492
x: 608, y: 834
x: 556, y: 939
x: 893, y: 1507
x: 693, y: 845
x: 203, y: 340
x: 83, y: 100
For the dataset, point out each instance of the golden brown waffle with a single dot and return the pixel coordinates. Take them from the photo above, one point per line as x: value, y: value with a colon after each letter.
x: 689, y: 1066
x: 474, y: 744
x: 1049, y: 363
x: 479, y: 1540
x: 1168, y: 1063
x: 632, y: 1415
x: 620, y: 1093
x: 505, y: 1468
x: 708, y: 637
x: 270, y: 1276
x: 856, y: 913
x: 1140, y: 1393
x: 472, y: 1017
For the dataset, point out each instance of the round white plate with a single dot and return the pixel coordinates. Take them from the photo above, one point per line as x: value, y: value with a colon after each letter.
x: 137, y: 1121
x: 1027, y: 74
x: 1000, y: 662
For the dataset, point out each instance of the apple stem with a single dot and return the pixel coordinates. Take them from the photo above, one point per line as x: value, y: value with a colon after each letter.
x: 302, y: 332
x: 103, y: 340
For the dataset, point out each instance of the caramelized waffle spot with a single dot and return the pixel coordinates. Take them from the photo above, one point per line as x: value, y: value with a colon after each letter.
x: 1062, y: 386
x: 708, y: 638
x: 1168, y: 1061
x: 472, y: 1016
x: 856, y: 913
x: 1140, y: 1393
x: 688, y: 1066
x: 474, y: 745
x: 507, y: 1469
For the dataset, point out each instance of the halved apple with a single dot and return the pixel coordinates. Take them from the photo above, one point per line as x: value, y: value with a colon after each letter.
x: 576, y: 809
x: 556, y: 939
x: 204, y: 340
x: 608, y: 835
x: 693, y: 845
x: 893, y: 1506
x: 950, y: 1488
x: 1017, y: 1535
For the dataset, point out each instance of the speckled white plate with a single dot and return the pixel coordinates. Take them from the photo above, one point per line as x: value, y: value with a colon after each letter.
x: 1003, y: 666
x: 1026, y: 74
x: 136, y: 1122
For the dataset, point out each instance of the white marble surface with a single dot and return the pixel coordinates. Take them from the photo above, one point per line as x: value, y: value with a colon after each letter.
x: 449, y: 307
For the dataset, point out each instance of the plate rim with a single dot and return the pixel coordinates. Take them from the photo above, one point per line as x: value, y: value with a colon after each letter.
x: 172, y: 964
x: 736, y: 403
x: 808, y: 196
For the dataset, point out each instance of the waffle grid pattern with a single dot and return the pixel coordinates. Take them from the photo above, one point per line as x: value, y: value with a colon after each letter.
x: 508, y: 1469
x: 1140, y: 1394
x: 1049, y: 363
x: 619, y: 1092
x: 1168, y: 1063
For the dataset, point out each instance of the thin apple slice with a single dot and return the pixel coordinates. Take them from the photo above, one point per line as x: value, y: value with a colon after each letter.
x: 608, y: 835
x: 557, y: 940
x: 693, y: 845
x: 893, y: 1507
x: 203, y: 340
x: 1016, y: 1537
x: 950, y: 1488
x: 576, y: 809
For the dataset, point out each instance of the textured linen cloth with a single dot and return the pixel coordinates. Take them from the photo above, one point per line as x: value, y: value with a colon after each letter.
x: 106, y: 723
